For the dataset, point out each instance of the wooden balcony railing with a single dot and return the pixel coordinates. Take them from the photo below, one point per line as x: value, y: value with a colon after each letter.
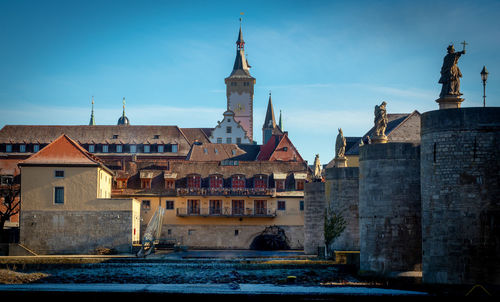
x: 226, y: 212
x: 224, y: 192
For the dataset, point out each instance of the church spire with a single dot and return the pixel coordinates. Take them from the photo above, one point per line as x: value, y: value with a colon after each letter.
x: 241, y: 68
x: 92, y: 119
x: 280, y: 124
x: 269, y: 121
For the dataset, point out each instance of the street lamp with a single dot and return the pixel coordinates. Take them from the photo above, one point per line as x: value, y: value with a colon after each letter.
x: 484, y: 77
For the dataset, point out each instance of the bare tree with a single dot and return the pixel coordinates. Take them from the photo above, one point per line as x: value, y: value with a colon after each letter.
x: 9, y: 196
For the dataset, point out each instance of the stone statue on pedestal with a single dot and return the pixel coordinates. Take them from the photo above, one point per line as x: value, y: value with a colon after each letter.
x: 450, y: 96
x: 340, y: 160
x: 450, y: 73
x: 317, y: 169
x: 380, y: 124
x: 340, y: 144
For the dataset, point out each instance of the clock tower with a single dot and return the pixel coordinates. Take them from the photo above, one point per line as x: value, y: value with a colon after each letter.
x: 239, y: 89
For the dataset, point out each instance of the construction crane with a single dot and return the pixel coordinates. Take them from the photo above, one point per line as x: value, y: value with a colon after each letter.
x: 152, y: 235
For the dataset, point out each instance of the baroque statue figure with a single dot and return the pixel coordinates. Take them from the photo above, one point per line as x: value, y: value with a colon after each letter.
x: 380, y: 119
x: 317, y: 168
x: 340, y: 145
x: 450, y: 73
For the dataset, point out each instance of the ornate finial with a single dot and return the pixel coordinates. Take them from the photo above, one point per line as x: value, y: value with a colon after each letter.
x: 92, y: 101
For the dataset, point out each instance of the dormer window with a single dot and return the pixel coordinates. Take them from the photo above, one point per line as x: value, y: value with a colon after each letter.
x: 92, y: 148
x: 260, y: 182
x: 147, y: 148
x: 238, y: 182
x: 161, y: 148
x: 6, y: 180
x: 105, y: 148
x: 8, y: 148
x: 156, y: 136
x: 119, y: 148
x: 115, y: 136
x: 194, y: 181
x: 22, y: 148
x: 216, y: 181
x: 36, y: 148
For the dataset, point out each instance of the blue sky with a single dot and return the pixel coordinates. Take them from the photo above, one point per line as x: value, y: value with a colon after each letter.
x: 327, y: 63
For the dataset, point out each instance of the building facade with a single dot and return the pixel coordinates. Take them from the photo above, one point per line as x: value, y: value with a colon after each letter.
x: 67, y: 206
x: 217, y: 194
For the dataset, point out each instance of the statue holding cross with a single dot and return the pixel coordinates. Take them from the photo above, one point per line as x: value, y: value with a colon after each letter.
x: 450, y: 73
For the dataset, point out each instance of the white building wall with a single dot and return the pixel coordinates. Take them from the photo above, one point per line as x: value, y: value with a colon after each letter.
x: 229, y: 131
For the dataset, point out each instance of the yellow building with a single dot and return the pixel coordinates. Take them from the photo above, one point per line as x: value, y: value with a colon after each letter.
x: 209, y: 205
x: 67, y: 205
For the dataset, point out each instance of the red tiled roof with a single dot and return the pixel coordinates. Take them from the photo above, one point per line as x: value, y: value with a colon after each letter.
x: 64, y: 151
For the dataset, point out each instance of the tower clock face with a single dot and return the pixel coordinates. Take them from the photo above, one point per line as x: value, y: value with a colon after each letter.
x: 240, y: 103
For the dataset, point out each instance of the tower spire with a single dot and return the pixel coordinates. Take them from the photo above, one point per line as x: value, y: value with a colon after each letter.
x: 241, y: 66
x: 280, y: 124
x: 92, y: 119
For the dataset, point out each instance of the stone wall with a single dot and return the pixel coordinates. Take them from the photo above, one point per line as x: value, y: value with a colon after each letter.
x: 76, y: 232
x: 341, y: 189
x: 314, y: 210
x: 226, y: 236
x: 460, y: 167
x: 389, y: 208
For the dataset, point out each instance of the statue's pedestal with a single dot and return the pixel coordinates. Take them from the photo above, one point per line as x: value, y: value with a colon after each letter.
x: 340, y: 162
x: 449, y: 102
x: 380, y: 139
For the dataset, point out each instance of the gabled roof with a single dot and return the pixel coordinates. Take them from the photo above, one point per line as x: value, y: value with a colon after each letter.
x: 274, y: 149
x: 395, y: 121
x: 63, y: 151
x: 213, y: 152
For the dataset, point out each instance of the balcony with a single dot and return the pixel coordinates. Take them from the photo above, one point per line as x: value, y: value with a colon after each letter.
x: 225, y: 192
x: 226, y: 212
